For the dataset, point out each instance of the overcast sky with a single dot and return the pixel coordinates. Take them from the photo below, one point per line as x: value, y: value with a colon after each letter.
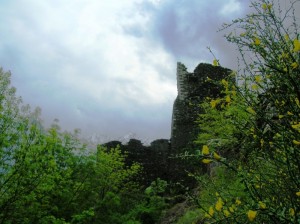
x: 109, y: 66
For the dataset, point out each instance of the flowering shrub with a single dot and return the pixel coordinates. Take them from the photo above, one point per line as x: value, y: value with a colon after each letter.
x: 254, y: 130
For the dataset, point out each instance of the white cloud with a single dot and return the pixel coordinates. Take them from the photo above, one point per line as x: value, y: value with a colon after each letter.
x: 231, y: 7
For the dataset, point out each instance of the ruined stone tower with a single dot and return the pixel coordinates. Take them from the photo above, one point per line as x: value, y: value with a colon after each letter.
x: 160, y: 159
x: 192, y: 90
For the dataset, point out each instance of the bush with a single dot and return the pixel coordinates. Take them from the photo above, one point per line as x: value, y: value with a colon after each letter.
x: 256, y: 126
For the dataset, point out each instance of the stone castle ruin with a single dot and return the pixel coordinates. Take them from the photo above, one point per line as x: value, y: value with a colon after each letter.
x: 158, y: 158
x: 192, y: 89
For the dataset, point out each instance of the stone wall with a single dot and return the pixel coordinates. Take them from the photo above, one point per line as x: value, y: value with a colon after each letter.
x: 154, y: 158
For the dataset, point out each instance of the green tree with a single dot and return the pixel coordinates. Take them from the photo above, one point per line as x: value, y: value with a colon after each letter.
x: 49, y: 176
x: 34, y: 162
x: 105, y: 186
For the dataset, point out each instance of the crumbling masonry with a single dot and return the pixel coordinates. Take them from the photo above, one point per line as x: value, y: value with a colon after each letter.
x: 192, y: 88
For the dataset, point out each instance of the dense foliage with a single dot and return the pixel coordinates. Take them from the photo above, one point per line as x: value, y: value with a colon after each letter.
x: 49, y: 176
x: 252, y: 135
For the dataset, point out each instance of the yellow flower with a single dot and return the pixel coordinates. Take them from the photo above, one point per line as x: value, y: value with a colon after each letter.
x: 280, y: 116
x: 237, y: 202
x: 254, y: 87
x: 292, y: 212
x: 251, y: 215
x: 296, y: 45
x: 224, y: 82
x: 206, y: 161
x: 296, y: 142
x: 262, y: 205
x: 215, y: 62
x: 205, y: 150
x: 250, y: 110
x: 298, y: 193
x: 262, y: 142
x: 294, y: 65
x: 264, y: 6
x: 290, y: 113
x: 207, y: 216
x: 286, y: 37
x: 216, y: 156
x: 257, y: 41
x: 228, y: 100
x: 211, y: 211
x: 258, y: 78
x: 214, y: 103
x: 219, y: 204
x: 277, y: 135
x: 296, y: 126
x: 297, y: 102
x: 231, y: 209
x: 226, y: 213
